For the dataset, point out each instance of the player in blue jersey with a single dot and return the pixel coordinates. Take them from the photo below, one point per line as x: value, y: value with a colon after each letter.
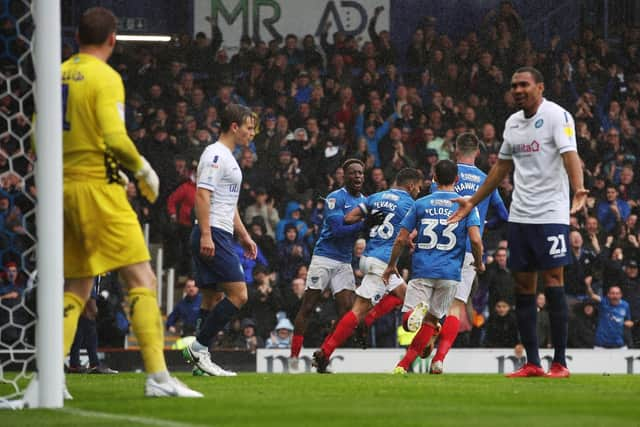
x: 469, y: 180
x: 331, y: 261
x: 437, y: 259
x: 393, y: 204
x: 540, y: 148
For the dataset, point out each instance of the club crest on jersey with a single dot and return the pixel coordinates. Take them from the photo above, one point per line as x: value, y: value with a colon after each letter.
x: 314, y: 280
x: 538, y: 124
x: 331, y: 203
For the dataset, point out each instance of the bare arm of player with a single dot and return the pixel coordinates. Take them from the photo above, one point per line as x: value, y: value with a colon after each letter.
x: 250, y: 247
x: 495, y: 177
x: 202, y: 206
x: 476, y: 248
x: 573, y: 165
x: 354, y: 215
x: 595, y: 297
x: 401, y: 242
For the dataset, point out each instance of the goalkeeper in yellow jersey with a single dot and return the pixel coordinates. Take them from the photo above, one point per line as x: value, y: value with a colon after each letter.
x: 101, y: 231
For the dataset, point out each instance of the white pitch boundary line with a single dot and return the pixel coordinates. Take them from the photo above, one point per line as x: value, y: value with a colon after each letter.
x: 127, y: 418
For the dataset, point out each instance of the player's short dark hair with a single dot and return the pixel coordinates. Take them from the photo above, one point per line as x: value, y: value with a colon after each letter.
x: 537, y: 75
x: 96, y: 25
x: 446, y: 172
x: 467, y: 143
x: 407, y: 175
x: 234, y: 113
x: 350, y: 162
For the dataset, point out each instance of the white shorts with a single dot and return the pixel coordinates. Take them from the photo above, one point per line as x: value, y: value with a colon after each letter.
x: 372, y: 286
x: 325, y: 272
x: 468, y: 275
x: 438, y: 293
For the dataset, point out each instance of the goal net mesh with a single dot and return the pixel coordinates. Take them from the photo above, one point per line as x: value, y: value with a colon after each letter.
x: 17, y: 199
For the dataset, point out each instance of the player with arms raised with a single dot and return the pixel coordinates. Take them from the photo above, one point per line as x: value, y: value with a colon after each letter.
x: 437, y: 259
x: 469, y: 180
x: 218, y: 268
x: 101, y: 231
x: 539, y: 142
x: 392, y: 205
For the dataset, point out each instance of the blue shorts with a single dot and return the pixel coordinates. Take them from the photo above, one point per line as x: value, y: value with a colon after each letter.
x: 223, y: 267
x: 537, y: 247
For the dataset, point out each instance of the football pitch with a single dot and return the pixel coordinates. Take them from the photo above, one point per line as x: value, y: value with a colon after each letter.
x: 348, y: 400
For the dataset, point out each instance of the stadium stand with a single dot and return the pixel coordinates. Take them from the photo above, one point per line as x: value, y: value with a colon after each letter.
x: 318, y: 105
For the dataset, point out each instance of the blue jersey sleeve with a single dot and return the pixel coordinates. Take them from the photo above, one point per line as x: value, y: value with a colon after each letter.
x: 334, y: 205
x: 340, y: 229
x: 409, y: 220
x: 474, y: 218
x: 498, y: 204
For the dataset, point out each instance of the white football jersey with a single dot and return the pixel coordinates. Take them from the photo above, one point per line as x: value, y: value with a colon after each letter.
x: 219, y: 172
x: 535, y: 144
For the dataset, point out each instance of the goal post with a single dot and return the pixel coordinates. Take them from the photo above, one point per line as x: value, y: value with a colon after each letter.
x: 49, y: 222
x: 32, y: 243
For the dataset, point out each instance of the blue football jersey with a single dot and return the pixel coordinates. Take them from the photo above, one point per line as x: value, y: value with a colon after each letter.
x: 470, y: 178
x: 440, y: 247
x: 340, y: 249
x: 611, y: 318
x: 395, y: 203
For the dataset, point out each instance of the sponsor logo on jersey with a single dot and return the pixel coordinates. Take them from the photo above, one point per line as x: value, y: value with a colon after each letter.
x: 538, y: 124
x: 533, y: 147
x: 314, y: 280
x: 331, y: 203
x: 469, y: 177
x: 441, y: 202
x: 390, y: 196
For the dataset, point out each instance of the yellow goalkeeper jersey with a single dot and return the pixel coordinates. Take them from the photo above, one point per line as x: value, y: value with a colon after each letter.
x: 95, y: 139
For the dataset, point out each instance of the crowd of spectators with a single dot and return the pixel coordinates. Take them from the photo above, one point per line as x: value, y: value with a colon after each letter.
x: 317, y: 105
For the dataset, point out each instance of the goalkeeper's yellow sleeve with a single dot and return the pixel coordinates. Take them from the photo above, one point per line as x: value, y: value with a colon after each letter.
x: 110, y: 115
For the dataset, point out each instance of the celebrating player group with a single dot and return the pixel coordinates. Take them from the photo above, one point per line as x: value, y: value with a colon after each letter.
x: 444, y: 232
x: 443, y: 229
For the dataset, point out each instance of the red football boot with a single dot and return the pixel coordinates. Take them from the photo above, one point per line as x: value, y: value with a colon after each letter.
x: 528, y: 370
x: 557, y: 371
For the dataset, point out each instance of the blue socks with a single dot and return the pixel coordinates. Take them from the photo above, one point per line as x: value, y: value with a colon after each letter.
x: 216, y: 320
x: 558, y: 318
x: 527, y: 314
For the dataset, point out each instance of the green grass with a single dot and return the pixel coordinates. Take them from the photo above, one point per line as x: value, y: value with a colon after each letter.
x: 354, y: 400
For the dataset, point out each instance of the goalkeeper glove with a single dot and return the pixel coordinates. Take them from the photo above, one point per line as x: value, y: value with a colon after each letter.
x: 148, y: 181
x: 374, y: 219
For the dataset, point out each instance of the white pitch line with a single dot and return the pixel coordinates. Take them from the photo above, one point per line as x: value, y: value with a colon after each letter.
x: 127, y: 418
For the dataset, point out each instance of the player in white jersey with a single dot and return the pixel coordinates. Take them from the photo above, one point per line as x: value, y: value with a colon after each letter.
x: 539, y: 142
x: 217, y: 267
